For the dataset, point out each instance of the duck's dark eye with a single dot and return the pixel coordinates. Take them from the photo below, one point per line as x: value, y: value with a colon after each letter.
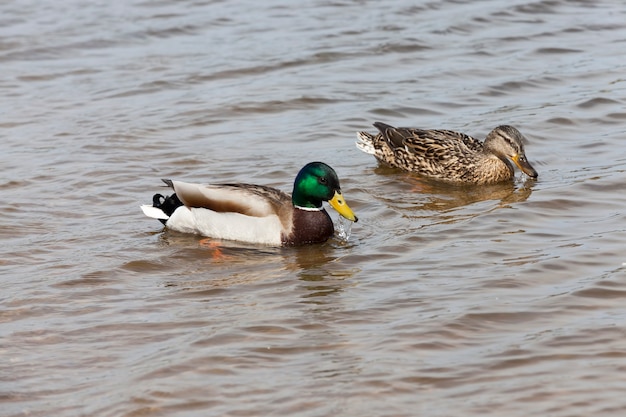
x: 323, y: 180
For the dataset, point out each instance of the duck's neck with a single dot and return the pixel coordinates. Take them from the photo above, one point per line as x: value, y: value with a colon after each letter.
x: 307, y: 208
x: 300, y: 200
x: 496, y: 168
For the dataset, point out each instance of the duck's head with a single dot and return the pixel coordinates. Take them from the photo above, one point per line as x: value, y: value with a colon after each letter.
x: 508, y: 142
x: 317, y: 182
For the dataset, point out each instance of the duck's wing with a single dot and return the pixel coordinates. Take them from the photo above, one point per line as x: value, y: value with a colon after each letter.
x: 437, y: 144
x: 440, y: 144
x: 441, y: 154
x: 247, y: 199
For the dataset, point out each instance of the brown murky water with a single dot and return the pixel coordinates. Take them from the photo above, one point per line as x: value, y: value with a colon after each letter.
x: 506, y: 300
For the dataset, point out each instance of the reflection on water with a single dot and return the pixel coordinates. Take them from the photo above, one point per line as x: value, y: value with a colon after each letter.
x: 321, y: 273
x: 418, y: 197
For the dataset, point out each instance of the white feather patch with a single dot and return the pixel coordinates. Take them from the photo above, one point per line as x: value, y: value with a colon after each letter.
x: 364, y: 143
x: 153, y: 212
x: 309, y: 208
x: 230, y: 226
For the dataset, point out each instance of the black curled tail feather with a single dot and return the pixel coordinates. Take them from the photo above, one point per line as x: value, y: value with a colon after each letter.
x: 167, y: 204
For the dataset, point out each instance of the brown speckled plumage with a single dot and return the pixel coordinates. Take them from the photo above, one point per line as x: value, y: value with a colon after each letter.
x: 448, y: 155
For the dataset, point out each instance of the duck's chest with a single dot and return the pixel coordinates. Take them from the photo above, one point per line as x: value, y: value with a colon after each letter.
x: 309, y: 226
x: 495, y: 170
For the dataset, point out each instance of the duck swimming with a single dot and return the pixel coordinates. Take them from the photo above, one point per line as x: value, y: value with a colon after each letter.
x: 449, y: 156
x: 255, y: 213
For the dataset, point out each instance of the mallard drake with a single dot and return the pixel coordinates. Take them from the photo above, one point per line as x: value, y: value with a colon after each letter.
x: 255, y: 213
x: 447, y: 155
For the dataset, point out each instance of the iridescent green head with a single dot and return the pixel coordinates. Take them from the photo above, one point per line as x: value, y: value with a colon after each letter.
x: 317, y: 182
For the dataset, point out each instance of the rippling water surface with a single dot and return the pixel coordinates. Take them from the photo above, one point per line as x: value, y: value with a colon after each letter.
x: 465, y: 301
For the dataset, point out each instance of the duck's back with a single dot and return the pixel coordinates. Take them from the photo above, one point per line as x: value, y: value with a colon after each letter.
x: 441, y: 154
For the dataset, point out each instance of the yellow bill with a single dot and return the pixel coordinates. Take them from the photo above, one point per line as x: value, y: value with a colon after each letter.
x: 339, y: 204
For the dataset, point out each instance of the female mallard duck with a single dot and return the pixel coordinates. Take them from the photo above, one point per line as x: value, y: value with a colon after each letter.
x: 255, y: 213
x: 447, y: 155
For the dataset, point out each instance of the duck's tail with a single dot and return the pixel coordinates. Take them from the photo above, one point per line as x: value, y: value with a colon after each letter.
x: 365, y: 142
x: 162, y: 206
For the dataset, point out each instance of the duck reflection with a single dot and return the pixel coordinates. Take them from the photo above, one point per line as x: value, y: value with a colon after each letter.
x: 440, y: 196
x: 202, y: 265
x: 321, y: 270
